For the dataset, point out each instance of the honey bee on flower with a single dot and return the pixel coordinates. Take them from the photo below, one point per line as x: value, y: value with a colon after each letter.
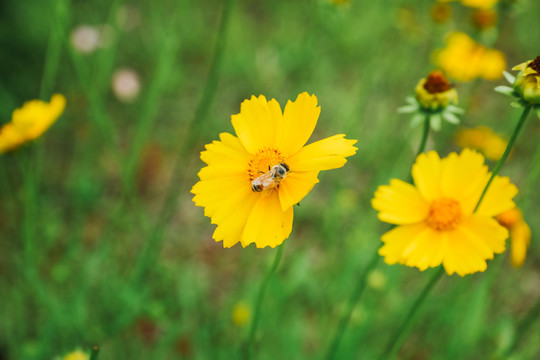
x: 253, y: 180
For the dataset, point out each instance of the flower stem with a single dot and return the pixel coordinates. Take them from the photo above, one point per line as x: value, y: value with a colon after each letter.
x: 399, y: 336
x: 361, y: 285
x: 262, y: 291
x: 95, y: 352
x: 425, y: 134
x: 523, y: 328
x: 501, y: 161
x: 355, y: 296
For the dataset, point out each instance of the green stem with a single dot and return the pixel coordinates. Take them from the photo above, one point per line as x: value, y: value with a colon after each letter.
x: 523, y: 328
x: 425, y: 133
x: 399, y: 336
x: 501, y: 161
x: 257, y: 313
x: 361, y: 285
x: 173, y: 191
x: 355, y: 296
x: 95, y: 352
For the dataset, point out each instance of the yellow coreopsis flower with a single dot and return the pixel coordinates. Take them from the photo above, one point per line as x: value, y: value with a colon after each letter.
x: 483, y: 139
x: 436, y: 220
x: 252, y: 181
x: 520, y: 234
x: 77, y: 355
x: 463, y: 59
x: 30, y: 122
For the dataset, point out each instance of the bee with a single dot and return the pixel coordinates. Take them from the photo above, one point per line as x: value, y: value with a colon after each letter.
x: 271, y: 178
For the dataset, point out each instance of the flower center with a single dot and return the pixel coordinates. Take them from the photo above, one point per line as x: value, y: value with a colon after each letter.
x: 263, y: 161
x: 436, y: 83
x: 535, y: 64
x: 444, y: 214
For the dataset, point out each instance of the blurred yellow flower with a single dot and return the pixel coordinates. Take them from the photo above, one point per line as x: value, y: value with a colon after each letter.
x: 240, y: 314
x: 527, y: 82
x: 464, y: 60
x: 252, y: 181
x: 30, y: 122
x: 483, y: 139
x: 77, y: 355
x: 481, y: 4
x: 436, y: 219
x: 520, y: 234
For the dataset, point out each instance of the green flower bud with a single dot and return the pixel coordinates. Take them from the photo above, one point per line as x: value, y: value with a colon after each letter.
x: 527, y: 82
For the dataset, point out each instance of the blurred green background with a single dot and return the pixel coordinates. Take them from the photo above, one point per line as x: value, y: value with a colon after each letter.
x: 100, y: 242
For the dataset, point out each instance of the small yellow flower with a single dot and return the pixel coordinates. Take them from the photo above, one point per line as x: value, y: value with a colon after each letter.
x: 436, y: 219
x: 253, y: 181
x: 479, y: 4
x: 464, y: 60
x: 520, y: 234
x: 483, y: 139
x: 435, y: 92
x: 30, y: 122
x: 77, y: 355
x: 527, y: 82
x: 241, y: 314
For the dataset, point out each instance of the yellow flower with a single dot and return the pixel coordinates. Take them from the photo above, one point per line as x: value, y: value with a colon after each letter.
x: 435, y: 92
x: 520, y: 234
x: 464, y: 60
x: 30, y: 122
x: 77, y: 355
x: 436, y: 219
x: 480, y: 4
x: 483, y: 139
x: 527, y: 82
x: 240, y: 314
x: 252, y: 181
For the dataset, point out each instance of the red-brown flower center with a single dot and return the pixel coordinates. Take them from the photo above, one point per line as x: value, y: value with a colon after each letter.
x: 436, y: 83
x: 444, y: 214
x: 263, y: 161
x: 535, y: 64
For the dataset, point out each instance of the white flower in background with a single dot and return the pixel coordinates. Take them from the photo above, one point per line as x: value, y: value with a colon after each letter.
x: 126, y: 84
x: 85, y: 38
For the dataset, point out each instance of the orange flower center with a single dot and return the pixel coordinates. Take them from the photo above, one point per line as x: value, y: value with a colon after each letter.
x: 263, y: 161
x: 436, y: 83
x: 444, y: 214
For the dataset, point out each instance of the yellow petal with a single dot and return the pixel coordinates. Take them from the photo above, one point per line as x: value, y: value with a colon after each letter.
x: 299, y: 120
x: 400, y: 203
x: 257, y: 123
x: 484, y: 229
x: 267, y: 225
x: 463, y: 178
x: 399, y: 239
x: 231, y: 227
x: 295, y: 186
x: 10, y: 138
x: 211, y: 193
x: 228, y: 150
x: 498, y: 198
x: 324, y: 154
x: 459, y: 258
x: 426, y: 173
x: 520, y: 236
x: 428, y: 250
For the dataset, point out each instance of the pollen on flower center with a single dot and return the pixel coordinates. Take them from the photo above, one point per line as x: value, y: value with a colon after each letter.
x: 444, y: 214
x: 263, y: 161
x: 535, y: 64
x: 436, y: 83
